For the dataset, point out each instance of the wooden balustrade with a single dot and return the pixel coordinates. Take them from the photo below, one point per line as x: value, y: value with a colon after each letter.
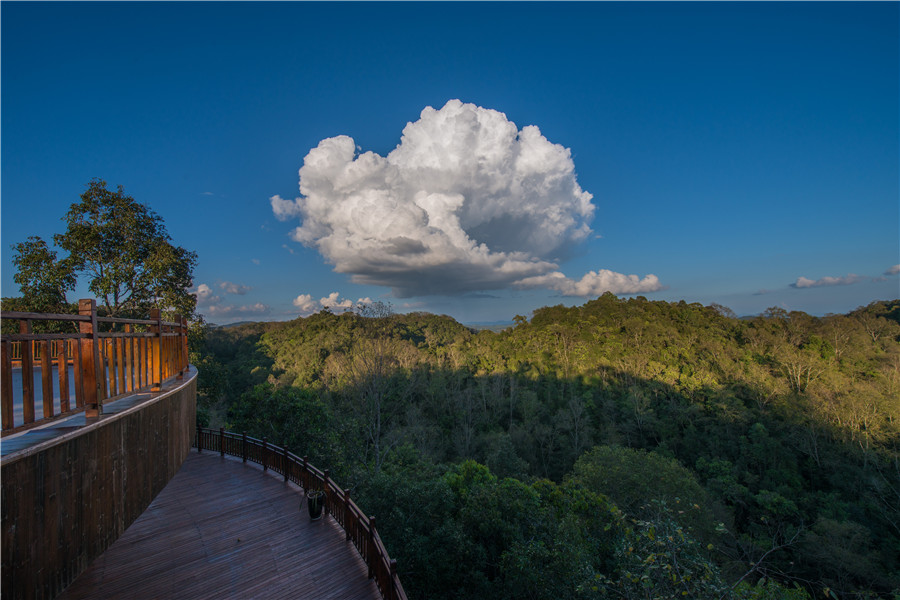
x: 107, y: 358
x: 359, y: 528
x: 66, y: 347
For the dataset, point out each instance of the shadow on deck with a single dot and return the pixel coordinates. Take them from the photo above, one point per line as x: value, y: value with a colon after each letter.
x: 225, y: 529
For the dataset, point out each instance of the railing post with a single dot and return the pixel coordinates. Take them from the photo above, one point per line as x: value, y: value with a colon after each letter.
x: 393, y: 569
x: 157, y: 352
x: 244, y: 446
x: 326, y: 474
x: 199, y: 440
x: 62, y: 370
x: 78, y: 387
x: 26, y: 350
x: 221, y: 441
x: 119, y: 351
x: 304, y: 477
x: 6, y: 383
x: 185, y: 358
x: 285, y: 466
x: 109, y: 370
x: 129, y: 361
x: 139, y: 362
x: 46, y: 379
x: 347, y: 513
x: 370, y: 554
x: 179, y: 362
x: 265, y: 455
x: 90, y: 360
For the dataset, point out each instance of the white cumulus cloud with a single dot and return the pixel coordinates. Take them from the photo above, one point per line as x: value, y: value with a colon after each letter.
x: 205, y: 295
x: 804, y: 282
x: 895, y: 270
x: 305, y: 303
x: 333, y: 301
x: 466, y: 202
x: 594, y: 283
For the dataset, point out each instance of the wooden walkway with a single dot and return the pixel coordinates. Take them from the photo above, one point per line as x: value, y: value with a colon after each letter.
x: 223, y: 529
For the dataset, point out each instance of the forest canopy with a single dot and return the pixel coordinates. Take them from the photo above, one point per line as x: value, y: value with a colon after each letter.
x: 618, y: 449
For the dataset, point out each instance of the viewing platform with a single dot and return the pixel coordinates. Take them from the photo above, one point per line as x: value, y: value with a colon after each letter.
x: 110, y: 490
x: 224, y: 529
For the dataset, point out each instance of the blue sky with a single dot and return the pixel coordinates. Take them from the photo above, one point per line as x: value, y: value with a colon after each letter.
x: 738, y: 153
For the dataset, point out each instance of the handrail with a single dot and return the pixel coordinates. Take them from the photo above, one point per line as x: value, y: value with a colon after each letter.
x: 359, y: 528
x: 104, y: 364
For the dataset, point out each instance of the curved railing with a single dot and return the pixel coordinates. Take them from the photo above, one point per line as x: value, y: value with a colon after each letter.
x: 106, y: 358
x: 69, y: 492
x: 359, y: 528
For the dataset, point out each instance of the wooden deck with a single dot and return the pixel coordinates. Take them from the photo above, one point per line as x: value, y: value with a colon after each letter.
x: 223, y: 529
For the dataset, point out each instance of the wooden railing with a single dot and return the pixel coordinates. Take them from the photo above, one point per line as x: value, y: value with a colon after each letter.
x: 56, y: 346
x: 359, y: 528
x: 107, y: 358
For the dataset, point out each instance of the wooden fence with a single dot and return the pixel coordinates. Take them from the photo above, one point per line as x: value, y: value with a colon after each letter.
x: 359, y: 528
x: 107, y: 358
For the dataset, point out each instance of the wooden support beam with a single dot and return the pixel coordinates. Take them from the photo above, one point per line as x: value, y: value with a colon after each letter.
x: 90, y: 360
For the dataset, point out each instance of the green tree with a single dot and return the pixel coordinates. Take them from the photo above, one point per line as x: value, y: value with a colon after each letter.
x: 658, y: 559
x: 43, y: 278
x: 636, y: 480
x: 125, y: 251
x: 416, y: 510
x: 378, y: 377
x: 291, y: 417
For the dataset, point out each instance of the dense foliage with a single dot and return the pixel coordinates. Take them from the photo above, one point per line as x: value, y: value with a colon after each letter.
x: 123, y: 250
x: 620, y: 449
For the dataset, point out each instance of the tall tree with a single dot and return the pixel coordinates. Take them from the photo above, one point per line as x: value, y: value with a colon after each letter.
x: 123, y: 248
x: 42, y: 277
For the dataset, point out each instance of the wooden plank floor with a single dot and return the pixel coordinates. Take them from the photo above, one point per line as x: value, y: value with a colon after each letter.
x: 222, y: 529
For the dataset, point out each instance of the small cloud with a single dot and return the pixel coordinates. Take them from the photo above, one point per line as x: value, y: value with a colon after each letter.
x: 333, y: 301
x: 288, y: 248
x: 594, y: 283
x: 305, y: 303
x: 203, y: 292
x: 255, y: 261
x: 895, y: 270
x: 207, y: 194
x: 285, y: 209
x: 211, y: 304
x: 231, y: 311
x: 762, y: 292
x: 235, y: 288
x: 205, y: 295
x: 849, y: 279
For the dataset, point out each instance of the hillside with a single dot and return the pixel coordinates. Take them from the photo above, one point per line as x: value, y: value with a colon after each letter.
x: 548, y: 459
